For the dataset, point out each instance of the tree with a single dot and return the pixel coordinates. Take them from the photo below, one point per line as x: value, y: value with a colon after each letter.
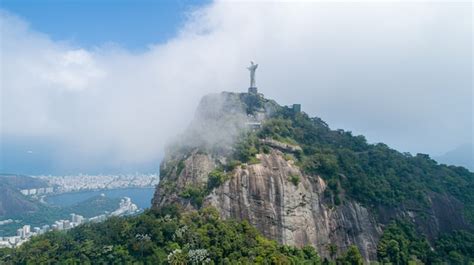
x: 332, y: 248
x: 393, y: 252
x: 352, y: 257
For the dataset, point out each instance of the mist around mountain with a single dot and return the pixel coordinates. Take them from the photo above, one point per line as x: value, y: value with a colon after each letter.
x: 254, y: 182
x: 462, y: 156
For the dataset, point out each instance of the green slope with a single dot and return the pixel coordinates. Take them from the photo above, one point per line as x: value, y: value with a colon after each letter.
x: 46, y: 214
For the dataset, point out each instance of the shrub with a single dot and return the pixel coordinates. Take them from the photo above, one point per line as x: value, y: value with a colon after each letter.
x: 232, y: 164
x: 253, y: 160
x: 195, y: 195
x: 215, y: 179
x: 295, y: 179
x: 288, y: 157
x: 180, y: 167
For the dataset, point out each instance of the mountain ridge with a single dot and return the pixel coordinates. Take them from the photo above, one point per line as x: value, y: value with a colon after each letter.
x: 462, y: 155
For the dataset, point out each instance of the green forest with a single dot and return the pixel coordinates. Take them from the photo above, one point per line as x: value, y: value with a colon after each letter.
x: 173, y: 236
x: 165, y: 236
x: 372, y: 174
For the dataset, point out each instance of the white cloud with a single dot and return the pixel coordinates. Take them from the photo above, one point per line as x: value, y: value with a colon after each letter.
x: 72, y: 70
x: 397, y: 72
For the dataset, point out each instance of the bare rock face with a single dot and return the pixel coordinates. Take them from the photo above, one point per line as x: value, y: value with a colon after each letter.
x: 182, y: 172
x: 277, y: 198
x: 293, y: 212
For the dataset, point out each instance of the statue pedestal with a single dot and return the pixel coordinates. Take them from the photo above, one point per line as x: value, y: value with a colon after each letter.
x: 253, y: 90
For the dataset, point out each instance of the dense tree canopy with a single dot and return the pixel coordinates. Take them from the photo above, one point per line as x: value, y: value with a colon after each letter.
x: 373, y: 174
x: 167, y: 236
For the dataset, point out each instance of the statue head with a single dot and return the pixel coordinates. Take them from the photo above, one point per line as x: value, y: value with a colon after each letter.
x: 252, y: 66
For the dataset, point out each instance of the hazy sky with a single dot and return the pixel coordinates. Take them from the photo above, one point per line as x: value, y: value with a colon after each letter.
x: 92, y: 93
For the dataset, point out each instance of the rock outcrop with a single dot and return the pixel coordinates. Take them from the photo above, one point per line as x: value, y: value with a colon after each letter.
x: 294, y: 213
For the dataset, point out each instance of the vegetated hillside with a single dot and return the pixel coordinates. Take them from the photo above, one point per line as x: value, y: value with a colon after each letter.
x: 12, y: 202
x: 165, y: 236
x: 21, y: 181
x: 300, y: 183
x: 47, y: 214
x: 94, y: 206
x: 375, y: 175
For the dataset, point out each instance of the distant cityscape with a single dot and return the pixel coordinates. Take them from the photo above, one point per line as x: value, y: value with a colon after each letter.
x: 126, y: 207
x: 82, y: 182
x: 75, y: 183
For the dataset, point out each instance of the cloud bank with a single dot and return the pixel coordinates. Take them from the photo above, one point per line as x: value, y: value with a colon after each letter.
x: 399, y: 73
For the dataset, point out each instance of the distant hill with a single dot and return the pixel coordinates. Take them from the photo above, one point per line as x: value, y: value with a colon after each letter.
x: 46, y: 214
x: 94, y: 206
x: 12, y: 202
x: 21, y: 181
x: 463, y: 155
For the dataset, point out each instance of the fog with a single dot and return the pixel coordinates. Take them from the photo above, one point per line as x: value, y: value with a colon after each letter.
x: 399, y: 73
x: 219, y: 121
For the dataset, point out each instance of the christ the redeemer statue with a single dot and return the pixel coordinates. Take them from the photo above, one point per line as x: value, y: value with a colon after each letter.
x: 252, y: 69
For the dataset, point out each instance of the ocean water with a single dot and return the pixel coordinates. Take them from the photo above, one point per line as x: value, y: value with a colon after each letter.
x: 140, y: 196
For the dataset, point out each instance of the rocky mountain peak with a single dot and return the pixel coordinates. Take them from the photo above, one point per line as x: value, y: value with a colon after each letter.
x: 301, y: 183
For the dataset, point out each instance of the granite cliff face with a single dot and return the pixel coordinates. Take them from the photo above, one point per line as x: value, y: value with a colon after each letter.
x: 272, y: 192
x: 263, y: 194
x: 294, y: 213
